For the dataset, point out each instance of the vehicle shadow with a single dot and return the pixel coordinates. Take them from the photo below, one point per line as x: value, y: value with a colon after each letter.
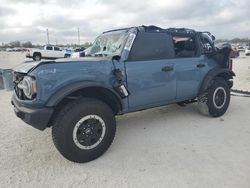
x: 161, y: 121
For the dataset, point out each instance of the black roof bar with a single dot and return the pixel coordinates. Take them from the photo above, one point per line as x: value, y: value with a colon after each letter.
x: 118, y: 29
x: 153, y: 28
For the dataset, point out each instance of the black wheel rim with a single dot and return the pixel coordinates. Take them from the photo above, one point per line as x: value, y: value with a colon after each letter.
x: 89, y: 132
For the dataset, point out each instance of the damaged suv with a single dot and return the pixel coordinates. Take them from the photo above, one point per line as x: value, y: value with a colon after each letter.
x: 125, y: 70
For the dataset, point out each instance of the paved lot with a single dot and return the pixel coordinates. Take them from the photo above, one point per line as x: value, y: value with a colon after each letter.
x: 170, y: 146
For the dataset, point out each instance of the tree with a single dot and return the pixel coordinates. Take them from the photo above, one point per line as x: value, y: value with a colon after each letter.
x: 27, y: 44
x: 15, y: 43
x: 86, y: 44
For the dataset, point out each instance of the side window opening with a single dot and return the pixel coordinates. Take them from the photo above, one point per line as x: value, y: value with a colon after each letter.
x: 206, y: 46
x: 57, y: 49
x: 151, y: 46
x: 49, y: 48
x: 184, y: 46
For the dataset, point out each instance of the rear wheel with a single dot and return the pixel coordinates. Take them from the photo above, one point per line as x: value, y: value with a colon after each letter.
x: 37, y: 57
x: 84, y: 130
x: 216, y: 101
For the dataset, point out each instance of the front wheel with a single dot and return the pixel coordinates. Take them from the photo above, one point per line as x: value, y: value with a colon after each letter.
x: 217, y: 98
x: 84, y: 130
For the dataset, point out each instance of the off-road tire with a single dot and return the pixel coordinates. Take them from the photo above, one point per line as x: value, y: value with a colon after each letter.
x: 66, y: 120
x: 37, y: 57
x: 209, y: 105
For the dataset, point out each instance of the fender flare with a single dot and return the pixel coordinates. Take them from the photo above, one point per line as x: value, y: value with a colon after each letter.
x: 225, y: 73
x: 72, y: 87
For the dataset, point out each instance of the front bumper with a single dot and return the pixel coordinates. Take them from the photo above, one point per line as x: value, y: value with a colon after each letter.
x: 36, y: 117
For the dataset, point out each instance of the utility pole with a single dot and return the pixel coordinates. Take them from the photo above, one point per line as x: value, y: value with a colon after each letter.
x: 78, y: 31
x: 47, y: 36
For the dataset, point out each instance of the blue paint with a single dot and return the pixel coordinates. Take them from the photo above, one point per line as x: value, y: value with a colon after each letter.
x: 148, y: 85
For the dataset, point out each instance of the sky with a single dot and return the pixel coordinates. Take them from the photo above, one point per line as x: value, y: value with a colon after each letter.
x: 27, y: 20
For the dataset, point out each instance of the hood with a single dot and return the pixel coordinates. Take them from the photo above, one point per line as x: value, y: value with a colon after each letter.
x: 25, y: 67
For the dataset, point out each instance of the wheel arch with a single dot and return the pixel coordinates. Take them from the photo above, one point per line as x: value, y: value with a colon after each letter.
x: 87, y: 89
x: 84, y: 89
x: 207, y: 81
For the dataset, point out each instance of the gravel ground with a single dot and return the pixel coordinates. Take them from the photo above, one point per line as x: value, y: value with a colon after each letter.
x: 9, y: 60
x: 169, y: 146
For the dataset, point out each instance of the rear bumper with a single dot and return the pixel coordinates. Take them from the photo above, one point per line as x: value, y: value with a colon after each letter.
x: 36, y: 117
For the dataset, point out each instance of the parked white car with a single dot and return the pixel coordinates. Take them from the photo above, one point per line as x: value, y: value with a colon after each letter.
x: 48, y: 52
x: 247, y: 51
x: 9, y: 50
x: 79, y: 53
x: 241, y: 49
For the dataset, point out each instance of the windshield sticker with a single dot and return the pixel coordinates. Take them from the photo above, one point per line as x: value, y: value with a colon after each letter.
x: 130, y: 41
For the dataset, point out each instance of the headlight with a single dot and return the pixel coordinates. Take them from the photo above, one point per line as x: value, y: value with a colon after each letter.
x: 28, y: 85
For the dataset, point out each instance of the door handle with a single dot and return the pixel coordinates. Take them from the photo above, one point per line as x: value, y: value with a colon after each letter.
x: 167, y: 68
x: 200, y: 65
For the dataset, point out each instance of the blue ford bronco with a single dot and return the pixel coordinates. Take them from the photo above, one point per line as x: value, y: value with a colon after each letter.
x: 126, y: 70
